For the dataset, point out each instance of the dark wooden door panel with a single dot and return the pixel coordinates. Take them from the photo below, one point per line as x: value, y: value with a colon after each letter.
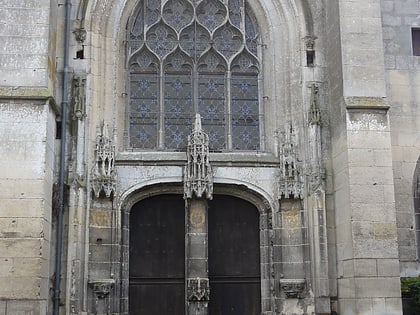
x: 234, y: 257
x: 157, y: 299
x: 233, y: 298
x: 157, y: 250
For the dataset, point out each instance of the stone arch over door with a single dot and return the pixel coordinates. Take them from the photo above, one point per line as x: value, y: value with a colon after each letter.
x: 261, y: 205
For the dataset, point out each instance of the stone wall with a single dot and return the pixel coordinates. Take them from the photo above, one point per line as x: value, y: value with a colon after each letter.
x: 27, y: 150
x: 403, y: 89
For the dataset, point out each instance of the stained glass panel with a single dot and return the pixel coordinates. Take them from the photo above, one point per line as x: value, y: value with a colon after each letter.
x: 178, y: 110
x: 211, y: 107
x: 245, y: 113
x: 144, y: 111
x: 195, y: 43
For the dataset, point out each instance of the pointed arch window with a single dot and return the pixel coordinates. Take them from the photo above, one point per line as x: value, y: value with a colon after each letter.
x: 192, y: 56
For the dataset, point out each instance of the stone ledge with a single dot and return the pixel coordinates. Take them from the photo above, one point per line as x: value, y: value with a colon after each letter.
x: 29, y: 93
x: 366, y: 103
x: 179, y: 158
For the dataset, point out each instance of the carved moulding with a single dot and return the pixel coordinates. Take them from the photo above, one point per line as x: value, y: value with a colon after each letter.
x: 291, y: 179
x: 198, y: 289
x: 103, y: 176
x: 198, y: 175
x: 292, y: 288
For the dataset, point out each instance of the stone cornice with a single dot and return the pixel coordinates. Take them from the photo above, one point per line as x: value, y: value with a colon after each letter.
x: 366, y: 103
x: 29, y: 93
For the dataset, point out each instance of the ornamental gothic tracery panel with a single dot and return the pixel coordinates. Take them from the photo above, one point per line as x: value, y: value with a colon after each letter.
x: 187, y: 57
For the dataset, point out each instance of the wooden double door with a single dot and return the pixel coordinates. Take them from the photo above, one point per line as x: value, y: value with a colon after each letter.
x: 157, y: 257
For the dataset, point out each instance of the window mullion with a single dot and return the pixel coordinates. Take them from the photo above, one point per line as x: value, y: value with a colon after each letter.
x: 195, y: 88
x: 228, y: 112
x: 161, y: 132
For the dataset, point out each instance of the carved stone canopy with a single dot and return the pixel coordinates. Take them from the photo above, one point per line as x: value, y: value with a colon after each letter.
x: 198, y: 175
x: 291, y: 179
x: 103, y: 177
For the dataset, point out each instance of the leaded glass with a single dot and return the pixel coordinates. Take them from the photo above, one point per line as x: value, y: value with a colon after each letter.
x: 178, y: 13
x: 153, y: 11
x: 195, y: 40
x: 211, y: 14
x: 178, y: 107
x: 211, y: 107
x: 228, y: 40
x: 144, y: 111
x: 180, y: 53
x: 161, y: 39
x: 245, y: 113
x: 235, y: 13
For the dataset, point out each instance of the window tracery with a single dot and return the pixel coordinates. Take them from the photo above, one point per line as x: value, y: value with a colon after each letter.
x: 190, y: 57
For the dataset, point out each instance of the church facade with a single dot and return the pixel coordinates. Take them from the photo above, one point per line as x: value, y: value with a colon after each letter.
x: 209, y: 156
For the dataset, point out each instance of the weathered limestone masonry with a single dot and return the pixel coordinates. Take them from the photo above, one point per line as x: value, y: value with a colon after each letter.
x: 403, y: 88
x: 27, y: 150
x: 367, y: 255
x: 329, y: 185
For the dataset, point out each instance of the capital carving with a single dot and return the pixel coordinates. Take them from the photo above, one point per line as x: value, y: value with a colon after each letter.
x: 198, y: 289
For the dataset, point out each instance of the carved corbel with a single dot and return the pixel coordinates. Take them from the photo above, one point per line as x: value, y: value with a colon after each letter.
x: 101, y: 287
x: 292, y: 288
x: 198, y: 290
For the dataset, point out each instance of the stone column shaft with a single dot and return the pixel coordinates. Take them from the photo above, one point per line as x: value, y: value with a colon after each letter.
x: 197, y: 257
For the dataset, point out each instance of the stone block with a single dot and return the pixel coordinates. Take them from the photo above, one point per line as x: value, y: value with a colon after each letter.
x: 393, y: 305
x: 28, y: 248
x: 23, y: 307
x: 25, y: 288
x: 388, y: 267
x: 100, y: 218
x: 371, y: 175
x: 365, y: 268
x: 24, y: 228
x: 377, y: 287
x: 375, y: 248
x: 346, y: 288
x: 364, y: 306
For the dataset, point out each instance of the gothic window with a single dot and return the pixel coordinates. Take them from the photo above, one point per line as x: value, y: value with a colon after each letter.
x: 193, y: 56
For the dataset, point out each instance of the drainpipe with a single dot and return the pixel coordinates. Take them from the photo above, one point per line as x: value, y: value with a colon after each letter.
x: 64, y: 108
